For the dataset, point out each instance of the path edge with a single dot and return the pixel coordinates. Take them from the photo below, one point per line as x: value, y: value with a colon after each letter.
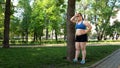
x: 102, y: 60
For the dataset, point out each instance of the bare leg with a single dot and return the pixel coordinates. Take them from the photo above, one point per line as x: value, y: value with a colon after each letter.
x: 77, y: 52
x: 83, y: 48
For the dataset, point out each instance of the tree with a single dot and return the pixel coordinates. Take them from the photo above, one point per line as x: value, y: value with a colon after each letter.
x: 115, y: 30
x: 25, y: 5
x: 37, y: 19
x: 14, y: 27
x: 56, y: 19
x: 49, y: 17
x: 6, y: 24
x: 102, y: 14
x: 70, y: 30
x: 2, y: 8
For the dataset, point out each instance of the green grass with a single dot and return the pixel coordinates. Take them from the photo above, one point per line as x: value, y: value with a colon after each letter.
x: 49, y: 57
x: 60, y: 41
x: 18, y: 42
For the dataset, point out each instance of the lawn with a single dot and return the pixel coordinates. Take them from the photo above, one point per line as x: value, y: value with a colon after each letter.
x: 49, y: 57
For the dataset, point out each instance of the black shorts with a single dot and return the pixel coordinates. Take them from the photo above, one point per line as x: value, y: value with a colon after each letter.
x: 81, y: 38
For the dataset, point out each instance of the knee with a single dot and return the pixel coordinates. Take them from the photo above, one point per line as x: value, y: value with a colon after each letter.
x: 77, y: 49
x: 83, y: 49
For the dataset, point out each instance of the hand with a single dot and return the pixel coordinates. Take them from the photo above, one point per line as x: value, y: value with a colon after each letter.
x: 84, y: 32
x: 77, y: 14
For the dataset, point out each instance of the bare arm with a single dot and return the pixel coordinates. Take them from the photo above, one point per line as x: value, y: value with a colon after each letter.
x: 88, y: 25
x: 73, y: 19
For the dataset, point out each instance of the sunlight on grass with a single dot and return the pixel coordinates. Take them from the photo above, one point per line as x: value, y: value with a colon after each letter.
x: 38, y: 49
x: 49, y: 57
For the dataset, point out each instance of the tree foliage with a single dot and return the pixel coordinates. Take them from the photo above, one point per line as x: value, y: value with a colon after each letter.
x: 40, y: 19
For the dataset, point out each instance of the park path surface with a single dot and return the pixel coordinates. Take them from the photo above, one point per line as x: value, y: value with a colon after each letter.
x: 111, y: 61
x: 58, y: 45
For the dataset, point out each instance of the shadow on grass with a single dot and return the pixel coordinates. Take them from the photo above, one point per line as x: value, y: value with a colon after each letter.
x: 49, y: 57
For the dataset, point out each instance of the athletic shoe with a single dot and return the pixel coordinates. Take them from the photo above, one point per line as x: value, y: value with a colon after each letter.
x: 75, y: 60
x: 82, y: 62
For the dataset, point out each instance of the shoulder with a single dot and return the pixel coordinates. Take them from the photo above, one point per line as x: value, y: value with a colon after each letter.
x: 86, y: 22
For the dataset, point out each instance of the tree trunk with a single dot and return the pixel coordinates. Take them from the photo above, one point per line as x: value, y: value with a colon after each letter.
x: 47, y: 33
x: 35, y: 36
x: 6, y: 24
x: 46, y: 21
x: 70, y: 31
x: 99, y: 37
x: 56, y: 36
x: 52, y: 35
x: 105, y: 37
x: 26, y: 36
x: 117, y: 36
x: 40, y: 39
x: 23, y: 39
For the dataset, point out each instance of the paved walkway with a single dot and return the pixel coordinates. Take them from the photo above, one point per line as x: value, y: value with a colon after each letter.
x: 111, y: 61
x: 58, y: 45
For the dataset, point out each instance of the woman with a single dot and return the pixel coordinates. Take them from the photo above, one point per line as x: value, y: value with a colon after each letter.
x: 82, y: 28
